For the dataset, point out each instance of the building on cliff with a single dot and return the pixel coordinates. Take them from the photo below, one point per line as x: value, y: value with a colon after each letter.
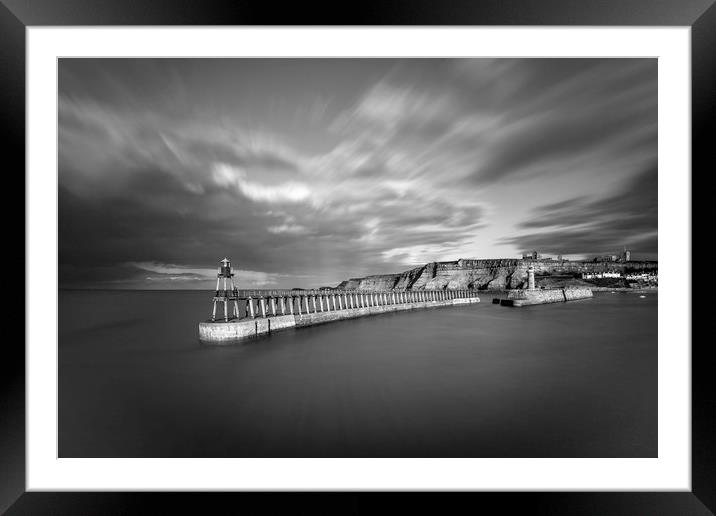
x: 534, y: 255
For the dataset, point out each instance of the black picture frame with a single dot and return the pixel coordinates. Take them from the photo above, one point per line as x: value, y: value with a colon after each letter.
x: 16, y: 15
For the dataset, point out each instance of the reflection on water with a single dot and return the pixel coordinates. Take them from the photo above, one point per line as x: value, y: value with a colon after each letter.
x: 568, y: 380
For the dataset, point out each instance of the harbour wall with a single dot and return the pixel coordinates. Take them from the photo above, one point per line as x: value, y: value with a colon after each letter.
x: 545, y: 296
x: 232, y: 331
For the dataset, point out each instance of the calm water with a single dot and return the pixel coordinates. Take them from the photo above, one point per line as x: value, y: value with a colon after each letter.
x: 567, y: 380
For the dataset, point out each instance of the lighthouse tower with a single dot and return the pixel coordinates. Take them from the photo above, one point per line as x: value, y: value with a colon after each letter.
x: 530, y: 277
x: 225, y: 295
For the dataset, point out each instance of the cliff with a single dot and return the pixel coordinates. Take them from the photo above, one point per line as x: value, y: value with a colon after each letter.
x: 497, y: 274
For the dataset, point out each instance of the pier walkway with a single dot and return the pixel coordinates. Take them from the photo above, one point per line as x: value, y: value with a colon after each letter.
x: 258, y: 312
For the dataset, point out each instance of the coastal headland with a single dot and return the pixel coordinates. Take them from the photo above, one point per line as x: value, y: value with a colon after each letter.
x: 508, y: 274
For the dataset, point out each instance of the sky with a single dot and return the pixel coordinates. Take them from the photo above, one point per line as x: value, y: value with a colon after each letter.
x: 306, y: 172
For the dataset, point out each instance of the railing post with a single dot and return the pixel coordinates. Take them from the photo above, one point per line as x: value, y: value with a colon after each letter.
x: 250, y: 302
x: 273, y: 305
x: 263, y: 307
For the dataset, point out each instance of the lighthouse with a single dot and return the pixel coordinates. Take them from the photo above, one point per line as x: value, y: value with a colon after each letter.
x: 531, y: 277
x: 228, y: 293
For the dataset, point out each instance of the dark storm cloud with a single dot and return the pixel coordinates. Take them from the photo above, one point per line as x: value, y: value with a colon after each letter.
x: 580, y: 242
x: 587, y: 106
x: 581, y: 225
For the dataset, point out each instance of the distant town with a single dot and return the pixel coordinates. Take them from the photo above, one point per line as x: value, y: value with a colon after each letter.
x: 625, y: 256
x: 635, y: 277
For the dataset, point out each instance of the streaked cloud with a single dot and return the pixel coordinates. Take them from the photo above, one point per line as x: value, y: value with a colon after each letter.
x: 306, y: 172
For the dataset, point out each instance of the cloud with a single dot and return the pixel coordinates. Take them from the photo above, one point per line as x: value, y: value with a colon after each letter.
x: 287, y: 228
x: 359, y: 167
x: 607, y: 109
x: 393, y: 106
x: 290, y: 191
x: 627, y: 217
x: 170, y: 272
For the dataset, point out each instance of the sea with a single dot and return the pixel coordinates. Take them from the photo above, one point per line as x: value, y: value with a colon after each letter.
x: 575, y: 379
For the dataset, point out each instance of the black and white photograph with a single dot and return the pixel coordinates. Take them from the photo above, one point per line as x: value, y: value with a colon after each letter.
x: 357, y: 257
x: 432, y: 249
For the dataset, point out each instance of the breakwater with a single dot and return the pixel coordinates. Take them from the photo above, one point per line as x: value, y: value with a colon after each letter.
x: 259, y: 313
x: 545, y: 296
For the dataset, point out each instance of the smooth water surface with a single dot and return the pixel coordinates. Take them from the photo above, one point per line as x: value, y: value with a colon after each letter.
x: 574, y: 379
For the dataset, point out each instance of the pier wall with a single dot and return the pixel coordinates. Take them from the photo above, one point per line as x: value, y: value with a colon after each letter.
x: 545, y: 296
x: 232, y: 331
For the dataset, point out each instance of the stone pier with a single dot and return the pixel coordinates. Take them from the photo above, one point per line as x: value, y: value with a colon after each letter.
x: 265, y: 312
x: 544, y: 296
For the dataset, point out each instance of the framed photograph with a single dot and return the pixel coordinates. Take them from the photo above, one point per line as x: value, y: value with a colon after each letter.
x: 444, y: 249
